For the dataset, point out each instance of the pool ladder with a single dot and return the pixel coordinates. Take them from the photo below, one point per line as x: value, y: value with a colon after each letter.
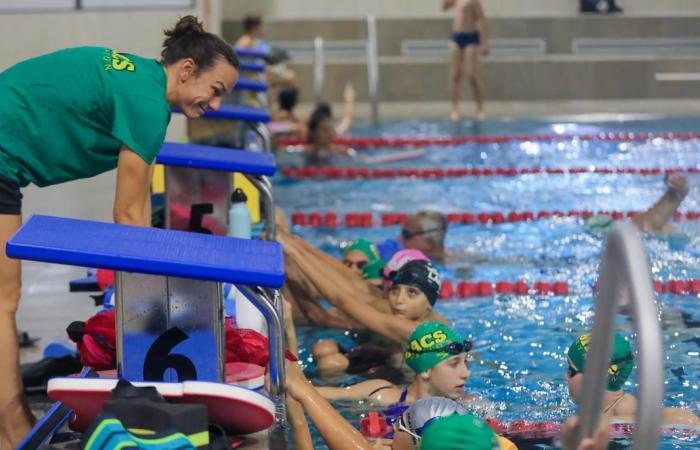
x: 625, y: 264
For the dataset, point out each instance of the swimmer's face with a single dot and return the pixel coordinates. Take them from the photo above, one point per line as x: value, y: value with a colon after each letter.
x: 198, y: 91
x: 324, y: 133
x: 575, y: 384
x: 355, y: 260
x: 416, y: 240
x: 447, y: 378
x: 408, y: 302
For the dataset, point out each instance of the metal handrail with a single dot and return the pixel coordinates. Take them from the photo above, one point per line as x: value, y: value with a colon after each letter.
x: 265, y: 187
x: 373, y: 66
x: 318, y: 68
x: 264, y: 134
x: 625, y: 263
x: 273, y: 312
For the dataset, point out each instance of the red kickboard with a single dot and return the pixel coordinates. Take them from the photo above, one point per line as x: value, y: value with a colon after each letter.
x: 238, y: 410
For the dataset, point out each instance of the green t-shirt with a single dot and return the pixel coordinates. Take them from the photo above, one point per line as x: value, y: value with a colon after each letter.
x: 65, y: 115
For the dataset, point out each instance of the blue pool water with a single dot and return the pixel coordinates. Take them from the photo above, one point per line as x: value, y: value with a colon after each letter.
x: 520, y: 341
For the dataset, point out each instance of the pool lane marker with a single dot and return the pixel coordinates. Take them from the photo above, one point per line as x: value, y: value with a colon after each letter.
x: 364, y: 142
x: 454, y: 289
x: 366, y: 173
x: 331, y: 219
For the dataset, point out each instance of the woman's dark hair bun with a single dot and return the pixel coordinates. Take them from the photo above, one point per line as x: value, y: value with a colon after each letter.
x: 185, y: 26
x: 187, y: 39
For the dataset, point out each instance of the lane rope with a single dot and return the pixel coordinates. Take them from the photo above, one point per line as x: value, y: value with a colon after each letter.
x: 362, y: 142
x: 352, y: 173
x: 332, y: 219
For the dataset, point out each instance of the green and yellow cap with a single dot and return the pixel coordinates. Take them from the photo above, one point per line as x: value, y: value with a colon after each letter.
x: 431, y: 343
x: 373, y: 270
x: 459, y: 432
x: 621, y: 363
x: 364, y: 246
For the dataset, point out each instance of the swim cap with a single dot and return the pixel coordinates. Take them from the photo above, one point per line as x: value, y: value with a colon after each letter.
x: 373, y: 270
x: 459, y: 432
x: 421, y: 354
x: 421, y: 274
x: 400, y: 258
x: 363, y: 246
x: 621, y: 364
x: 598, y: 222
x: 430, y: 408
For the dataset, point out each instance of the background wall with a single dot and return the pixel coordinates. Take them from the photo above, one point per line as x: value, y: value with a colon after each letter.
x: 288, y: 9
x: 24, y: 35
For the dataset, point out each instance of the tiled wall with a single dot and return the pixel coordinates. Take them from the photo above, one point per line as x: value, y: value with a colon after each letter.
x: 334, y: 8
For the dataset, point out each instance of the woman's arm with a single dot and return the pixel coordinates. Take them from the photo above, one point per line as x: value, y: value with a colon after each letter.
x: 336, y: 431
x: 395, y: 328
x: 133, y: 189
x: 447, y: 4
x: 348, y: 110
x: 482, y: 25
x: 658, y: 216
x: 359, y: 391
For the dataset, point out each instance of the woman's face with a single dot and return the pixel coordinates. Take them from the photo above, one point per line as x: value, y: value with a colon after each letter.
x: 324, y: 134
x: 447, y: 378
x: 196, y: 92
x: 408, y: 302
x: 355, y: 260
x: 575, y: 384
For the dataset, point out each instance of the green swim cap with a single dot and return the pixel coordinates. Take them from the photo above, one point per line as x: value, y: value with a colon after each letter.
x: 459, y: 432
x: 364, y: 246
x: 621, y: 364
x: 421, y: 354
x: 598, y: 222
x: 373, y: 270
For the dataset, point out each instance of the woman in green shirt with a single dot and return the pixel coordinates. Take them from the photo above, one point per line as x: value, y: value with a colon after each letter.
x: 82, y: 111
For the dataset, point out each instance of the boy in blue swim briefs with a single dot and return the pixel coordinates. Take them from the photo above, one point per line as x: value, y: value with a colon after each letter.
x: 468, y: 43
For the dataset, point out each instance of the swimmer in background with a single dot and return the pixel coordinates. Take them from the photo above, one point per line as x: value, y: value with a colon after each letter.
x: 657, y: 218
x: 320, y: 148
x: 468, y: 43
x: 277, y: 73
x: 617, y: 404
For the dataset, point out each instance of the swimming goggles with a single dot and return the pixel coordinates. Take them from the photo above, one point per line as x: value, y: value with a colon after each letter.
x: 453, y: 348
x: 573, y: 371
x: 359, y: 264
x: 406, y: 234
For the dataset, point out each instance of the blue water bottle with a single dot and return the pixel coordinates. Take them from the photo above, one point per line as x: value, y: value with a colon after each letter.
x: 239, y: 222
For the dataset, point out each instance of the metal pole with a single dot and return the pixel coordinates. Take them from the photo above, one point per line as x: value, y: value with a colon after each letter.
x: 625, y: 263
x: 274, y: 314
x: 373, y: 67
x: 264, y: 134
x: 318, y: 68
x: 264, y: 186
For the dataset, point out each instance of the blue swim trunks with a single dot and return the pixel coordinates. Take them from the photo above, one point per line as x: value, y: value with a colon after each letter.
x: 466, y: 39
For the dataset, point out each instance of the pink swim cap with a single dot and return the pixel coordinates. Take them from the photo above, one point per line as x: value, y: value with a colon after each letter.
x: 399, y: 259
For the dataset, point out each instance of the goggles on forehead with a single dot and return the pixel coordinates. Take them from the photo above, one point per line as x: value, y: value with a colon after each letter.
x: 406, y: 234
x: 453, y: 348
x: 572, y: 371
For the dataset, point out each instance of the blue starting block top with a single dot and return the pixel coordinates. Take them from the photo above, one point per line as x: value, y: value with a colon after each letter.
x: 237, y: 112
x: 250, y: 52
x: 148, y: 250
x: 246, y: 84
x: 249, y: 66
x: 216, y: 158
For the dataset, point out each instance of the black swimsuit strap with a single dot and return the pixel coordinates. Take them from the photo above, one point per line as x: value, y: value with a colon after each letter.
x: 380, y: 389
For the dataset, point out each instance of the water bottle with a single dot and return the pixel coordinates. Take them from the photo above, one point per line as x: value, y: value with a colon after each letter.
x: 252, y: 142
x: 239, y: 222
x: 239, y: 225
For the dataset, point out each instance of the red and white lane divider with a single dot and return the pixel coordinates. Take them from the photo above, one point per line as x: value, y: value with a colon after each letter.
x: 332, y: 219
x: 469, y: 289
x: 360, y: 142
x: 352, y: 173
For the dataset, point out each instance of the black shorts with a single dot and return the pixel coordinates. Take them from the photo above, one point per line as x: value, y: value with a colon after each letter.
x: 10, y: 197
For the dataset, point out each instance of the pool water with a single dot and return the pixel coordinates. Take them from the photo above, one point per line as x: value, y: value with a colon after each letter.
x: 518, y: 361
